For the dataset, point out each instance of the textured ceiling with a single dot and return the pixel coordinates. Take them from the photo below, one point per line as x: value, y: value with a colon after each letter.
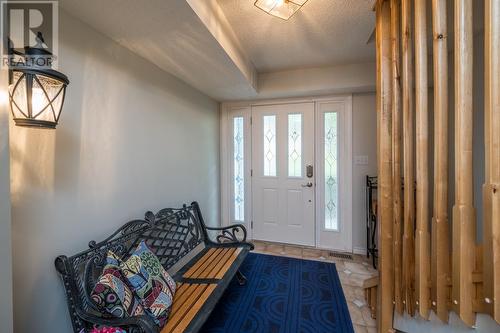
x: 171, y: 36
x: 323, y: 32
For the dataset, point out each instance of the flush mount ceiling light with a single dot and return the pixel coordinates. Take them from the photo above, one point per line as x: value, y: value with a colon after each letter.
x: 284, y: 9
x: 36, y: 91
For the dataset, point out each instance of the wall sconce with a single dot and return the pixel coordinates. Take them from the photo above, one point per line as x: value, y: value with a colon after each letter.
x: 36, y: 91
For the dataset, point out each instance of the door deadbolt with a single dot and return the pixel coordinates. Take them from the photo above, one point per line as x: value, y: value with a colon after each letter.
x: 309, y: 171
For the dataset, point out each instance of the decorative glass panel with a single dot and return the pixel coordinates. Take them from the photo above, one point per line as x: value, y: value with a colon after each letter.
x: 239, y: 170
x: 270, y: 146
x: 295, y: 145
x: 331, y: 171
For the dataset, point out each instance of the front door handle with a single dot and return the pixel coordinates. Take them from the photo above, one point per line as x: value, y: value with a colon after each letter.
x: 307, y: 185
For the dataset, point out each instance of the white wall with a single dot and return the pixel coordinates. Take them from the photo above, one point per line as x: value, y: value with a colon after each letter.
x: 364, y: 142
x: 132, y: 138
x: 5, y: 217
x: 347, y: 79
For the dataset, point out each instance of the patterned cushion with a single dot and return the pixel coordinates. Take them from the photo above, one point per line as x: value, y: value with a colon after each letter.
x: 111, y: 292
x: 151, y: 283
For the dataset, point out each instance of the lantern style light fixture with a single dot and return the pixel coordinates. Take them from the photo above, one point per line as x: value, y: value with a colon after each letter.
x: 284, y: 9
x: 36, y: 91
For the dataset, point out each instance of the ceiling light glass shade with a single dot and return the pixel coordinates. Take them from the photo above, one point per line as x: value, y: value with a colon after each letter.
x: 284, y: 9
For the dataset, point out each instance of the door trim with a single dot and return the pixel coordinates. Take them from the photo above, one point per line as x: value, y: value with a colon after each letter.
x: 227, y: 110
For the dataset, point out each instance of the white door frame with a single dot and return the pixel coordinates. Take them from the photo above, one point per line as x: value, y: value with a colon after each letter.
x: 243, y: 108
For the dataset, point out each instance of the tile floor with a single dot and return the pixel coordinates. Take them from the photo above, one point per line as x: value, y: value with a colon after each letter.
x: 352, y: 273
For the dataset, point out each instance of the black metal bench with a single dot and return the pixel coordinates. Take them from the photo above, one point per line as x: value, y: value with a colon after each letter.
x: 203, y: 266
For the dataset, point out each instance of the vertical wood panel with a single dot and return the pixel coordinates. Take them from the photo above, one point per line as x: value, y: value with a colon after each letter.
x: 422, y: 263
x: 491, y: 189
x: 440, y: 230
x: 464, y: 231
x: 408, y: 160
x: 396, y: 150
x: 384, y: 121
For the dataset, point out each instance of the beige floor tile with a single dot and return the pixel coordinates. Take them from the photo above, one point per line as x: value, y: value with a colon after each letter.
x: 349, y: 294
x: 260, y: 246
x: 371, y: 329
x: 367, y: 317
x: 359, y: 329
x: 358, y: 268
x: 356, y: 315
x: 275, y: 248
x: 293, y: 251
x: 359, y: 292
x: 309, y: 253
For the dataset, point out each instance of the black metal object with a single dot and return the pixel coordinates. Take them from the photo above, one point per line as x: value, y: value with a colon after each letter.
x: 371, y: 220
x: 242, y: 280
x: 172, y: 234
x: 31, y: 72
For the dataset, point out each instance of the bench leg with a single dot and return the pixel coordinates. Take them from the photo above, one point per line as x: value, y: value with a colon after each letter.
x: 242, y: 280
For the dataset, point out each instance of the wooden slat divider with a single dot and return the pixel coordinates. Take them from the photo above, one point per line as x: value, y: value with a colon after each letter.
x: 464, y: 231
x: 422, y: 242
x: 396, y: 152
x: 491, y: 189
x: 384, y: 134
x: 408, y: 159
x: 440, y: 268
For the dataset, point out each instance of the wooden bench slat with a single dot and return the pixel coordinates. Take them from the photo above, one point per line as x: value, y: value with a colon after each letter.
x: 180, y: 306
x: 180, y: 299
x: 205, y: 262
x: 208, y: 265
x: 200, y: 262
x: 228, y: 263
x: 182, y: 316
x: 213, y: 264
x: 212, y: 271
x: 180, y: 289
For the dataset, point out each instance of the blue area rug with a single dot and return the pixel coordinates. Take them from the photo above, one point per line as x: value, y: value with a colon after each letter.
x: 282, y: 295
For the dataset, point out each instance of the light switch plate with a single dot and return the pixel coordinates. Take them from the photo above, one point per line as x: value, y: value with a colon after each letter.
x: 361, y: 160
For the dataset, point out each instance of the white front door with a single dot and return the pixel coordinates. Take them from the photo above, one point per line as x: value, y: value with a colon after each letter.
x: 283, y: 181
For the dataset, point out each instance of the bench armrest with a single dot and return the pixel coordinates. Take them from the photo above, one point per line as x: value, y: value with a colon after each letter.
x: 229, y: 234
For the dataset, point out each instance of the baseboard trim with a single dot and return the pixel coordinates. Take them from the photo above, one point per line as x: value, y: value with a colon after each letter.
x: 359, y: 250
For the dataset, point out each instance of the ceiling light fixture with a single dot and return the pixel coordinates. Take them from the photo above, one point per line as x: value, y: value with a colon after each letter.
x: 284, y: 9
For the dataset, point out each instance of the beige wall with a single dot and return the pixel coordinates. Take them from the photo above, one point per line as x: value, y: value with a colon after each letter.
x: 364, y: 142
x: 132, y: 138
x: 347, y: 79
x: 5, y: 218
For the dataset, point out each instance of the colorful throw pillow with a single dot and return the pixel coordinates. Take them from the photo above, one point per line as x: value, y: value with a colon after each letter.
x: 105, y: 329
x: 151, y: 283
x: 111, y: 292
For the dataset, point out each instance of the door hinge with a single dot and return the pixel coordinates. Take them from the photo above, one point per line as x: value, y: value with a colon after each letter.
x: 251, y: 120
x: 251, y: 224
x: 251, y: 172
